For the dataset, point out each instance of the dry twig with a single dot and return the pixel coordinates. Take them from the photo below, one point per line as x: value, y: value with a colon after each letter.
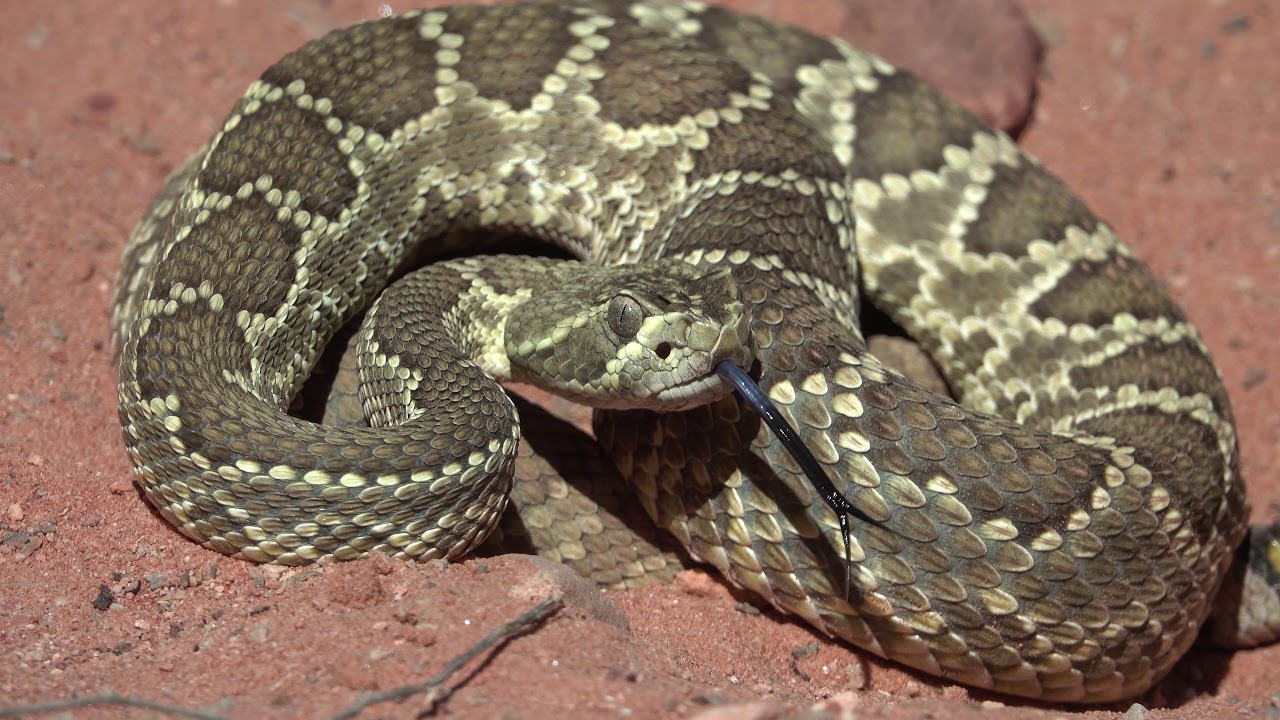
x: 434, y: 687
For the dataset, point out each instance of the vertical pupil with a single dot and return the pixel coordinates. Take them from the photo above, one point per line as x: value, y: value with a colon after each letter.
x: 624, y: 316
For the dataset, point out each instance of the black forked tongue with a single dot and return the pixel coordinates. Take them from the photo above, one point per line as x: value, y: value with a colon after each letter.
x: 756, y: 398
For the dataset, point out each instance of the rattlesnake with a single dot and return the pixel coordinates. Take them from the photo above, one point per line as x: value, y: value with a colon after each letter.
x: 1068, y: 551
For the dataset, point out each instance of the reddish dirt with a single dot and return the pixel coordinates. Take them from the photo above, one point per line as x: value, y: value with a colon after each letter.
x: 1165, y: 117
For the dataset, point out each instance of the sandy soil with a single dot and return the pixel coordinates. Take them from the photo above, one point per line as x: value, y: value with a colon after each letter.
x: 1164, y: 116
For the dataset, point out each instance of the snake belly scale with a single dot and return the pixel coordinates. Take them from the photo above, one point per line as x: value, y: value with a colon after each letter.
x: 1057, y: 534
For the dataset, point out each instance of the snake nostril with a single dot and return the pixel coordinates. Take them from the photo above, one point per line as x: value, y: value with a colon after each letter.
x: 663, y: 350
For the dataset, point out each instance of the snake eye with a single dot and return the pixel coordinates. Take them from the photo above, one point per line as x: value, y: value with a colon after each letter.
x: 625, y: 316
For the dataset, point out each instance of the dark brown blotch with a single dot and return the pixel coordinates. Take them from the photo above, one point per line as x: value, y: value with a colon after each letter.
x: 904, y: 126
x: 1025, y: 203
x: 377, y: 74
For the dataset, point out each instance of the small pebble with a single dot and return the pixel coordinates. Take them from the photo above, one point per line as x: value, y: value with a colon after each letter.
x: 1236, y: 24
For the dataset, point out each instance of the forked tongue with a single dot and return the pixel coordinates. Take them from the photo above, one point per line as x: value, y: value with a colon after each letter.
x: 790, y: 439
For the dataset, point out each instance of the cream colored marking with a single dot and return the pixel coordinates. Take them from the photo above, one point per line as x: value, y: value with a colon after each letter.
x: 1046, y: 540
x: 998, y: 602
x: 854, y: 441
x: 848, y: 405
x: 1078, y: 520
x: 997, y: 529
x: 782, y: 392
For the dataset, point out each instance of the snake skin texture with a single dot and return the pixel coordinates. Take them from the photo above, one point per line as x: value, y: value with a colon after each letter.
x: 1058, y: 533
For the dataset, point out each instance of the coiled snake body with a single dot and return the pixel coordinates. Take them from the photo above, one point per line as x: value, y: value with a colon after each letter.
x: 1059, y: 535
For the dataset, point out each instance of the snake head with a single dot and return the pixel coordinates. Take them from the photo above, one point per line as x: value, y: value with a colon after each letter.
x: 637, y: 336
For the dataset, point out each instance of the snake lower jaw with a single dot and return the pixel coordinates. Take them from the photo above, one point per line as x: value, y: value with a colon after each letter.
x: 701, y: 390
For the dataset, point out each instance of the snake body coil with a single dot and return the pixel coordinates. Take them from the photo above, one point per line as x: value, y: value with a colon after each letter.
x: 1059, y: 535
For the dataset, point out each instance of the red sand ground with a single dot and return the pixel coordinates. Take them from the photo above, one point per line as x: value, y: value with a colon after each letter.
x: 1165, y: 116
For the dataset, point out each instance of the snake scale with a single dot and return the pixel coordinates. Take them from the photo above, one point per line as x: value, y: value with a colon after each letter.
x: 1059, y: 533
